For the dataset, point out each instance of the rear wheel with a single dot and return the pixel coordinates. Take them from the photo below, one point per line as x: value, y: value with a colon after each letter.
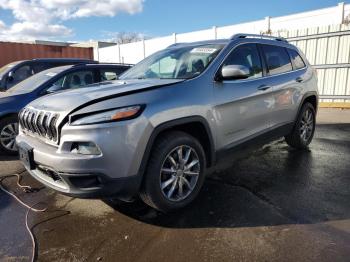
x: 8, y: 133
x: 304, y: 128
x: 175, y: 172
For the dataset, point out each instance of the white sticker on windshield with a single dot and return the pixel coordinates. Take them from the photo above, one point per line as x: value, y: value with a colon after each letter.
x: 51, y: 74
x: 203, y: 50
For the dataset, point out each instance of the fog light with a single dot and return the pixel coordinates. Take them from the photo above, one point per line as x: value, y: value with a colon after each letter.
x: 85, y: 148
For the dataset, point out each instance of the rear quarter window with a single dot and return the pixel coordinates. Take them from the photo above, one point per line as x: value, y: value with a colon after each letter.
x: 296, y: 58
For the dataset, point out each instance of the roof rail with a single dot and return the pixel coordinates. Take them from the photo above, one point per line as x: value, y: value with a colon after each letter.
x: 237, y: 36
x: 172, y: 45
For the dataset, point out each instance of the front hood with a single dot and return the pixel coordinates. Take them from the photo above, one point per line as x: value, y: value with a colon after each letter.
x: 67, y: 101
x: 7, y: 99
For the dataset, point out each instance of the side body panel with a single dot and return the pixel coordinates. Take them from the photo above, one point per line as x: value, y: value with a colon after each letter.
x: 240, y: 110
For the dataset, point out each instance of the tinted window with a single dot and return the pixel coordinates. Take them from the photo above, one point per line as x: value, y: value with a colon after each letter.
x: 246, y: 55
x: 75, y: 79
x: 19, y: 75
x: 296, y: 58
x: 277, y: 59
x: 38, y: 67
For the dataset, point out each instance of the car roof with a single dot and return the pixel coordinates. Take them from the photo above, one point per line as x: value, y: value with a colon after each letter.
x: 62, y: 60
x: 59, y: 69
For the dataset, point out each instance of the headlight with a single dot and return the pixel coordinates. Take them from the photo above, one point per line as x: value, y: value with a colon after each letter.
x: 118, y: 114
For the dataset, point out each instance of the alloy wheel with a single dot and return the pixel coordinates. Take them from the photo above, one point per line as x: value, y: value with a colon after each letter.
x: 179, y: 173
x: 8, y: 136
x: 306, y: 125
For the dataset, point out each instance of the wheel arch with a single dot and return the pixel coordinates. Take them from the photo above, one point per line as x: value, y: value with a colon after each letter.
x: 8, y: 115
x: 311, y: 97
x: 196, y: 126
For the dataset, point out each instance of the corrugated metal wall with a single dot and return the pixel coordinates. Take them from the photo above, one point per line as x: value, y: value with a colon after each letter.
x: 10, y: 52
x: 328, y: 50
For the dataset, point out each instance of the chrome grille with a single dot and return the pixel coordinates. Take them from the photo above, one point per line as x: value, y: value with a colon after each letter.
x: 38, y: 122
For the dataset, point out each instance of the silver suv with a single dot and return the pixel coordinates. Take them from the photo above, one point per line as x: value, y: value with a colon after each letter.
x: 154, y: 131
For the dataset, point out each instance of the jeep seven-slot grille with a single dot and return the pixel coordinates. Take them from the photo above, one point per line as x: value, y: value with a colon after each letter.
x: 40, y: 123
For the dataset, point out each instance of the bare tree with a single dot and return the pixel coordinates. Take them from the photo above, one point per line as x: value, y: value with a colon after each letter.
x: 126, y: 37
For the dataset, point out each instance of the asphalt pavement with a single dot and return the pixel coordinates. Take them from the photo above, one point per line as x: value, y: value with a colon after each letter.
x: 269, y: 203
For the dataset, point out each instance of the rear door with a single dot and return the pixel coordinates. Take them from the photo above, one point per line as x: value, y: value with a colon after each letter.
x: 285, y: 84
x: 242, y: 107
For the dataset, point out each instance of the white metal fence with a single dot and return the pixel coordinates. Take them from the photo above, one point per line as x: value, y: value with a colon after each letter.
x: 328, y: 49
x: 323, y: 35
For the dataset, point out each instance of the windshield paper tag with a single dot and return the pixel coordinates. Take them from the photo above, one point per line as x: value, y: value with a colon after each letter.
x: 51, y: 74
x: 203, y: 50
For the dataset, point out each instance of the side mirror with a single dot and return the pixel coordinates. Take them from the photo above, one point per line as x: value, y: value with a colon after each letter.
x: 234, y: 72
x: 10, y: 77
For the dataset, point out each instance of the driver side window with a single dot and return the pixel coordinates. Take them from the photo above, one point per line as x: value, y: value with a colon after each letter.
x: 246, y: 55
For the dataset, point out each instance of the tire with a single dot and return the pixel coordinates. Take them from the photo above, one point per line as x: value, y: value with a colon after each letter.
x: 8, y: 132
x: 166, y: 147
x: 304, y: 128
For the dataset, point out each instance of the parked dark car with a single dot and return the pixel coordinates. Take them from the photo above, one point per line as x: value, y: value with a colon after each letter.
x: 46, y: 82
x: 15, y: 72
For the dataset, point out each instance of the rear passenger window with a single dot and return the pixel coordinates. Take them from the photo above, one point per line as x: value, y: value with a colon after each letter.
x: 38, y: 67
x: 277, y: 59
x: 246, y: 55
x: 296, y: 58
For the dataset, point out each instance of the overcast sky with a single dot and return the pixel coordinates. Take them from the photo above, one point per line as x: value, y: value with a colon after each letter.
x: 80, y: 20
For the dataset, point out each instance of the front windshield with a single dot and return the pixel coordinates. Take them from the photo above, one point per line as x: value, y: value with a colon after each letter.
x: 175, y: 63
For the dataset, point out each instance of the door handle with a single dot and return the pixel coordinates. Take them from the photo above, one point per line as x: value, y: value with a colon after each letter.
x: 263, y: 87
x: 299, y: 79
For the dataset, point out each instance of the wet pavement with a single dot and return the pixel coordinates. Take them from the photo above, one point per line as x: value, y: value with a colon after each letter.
x: 270, y: 204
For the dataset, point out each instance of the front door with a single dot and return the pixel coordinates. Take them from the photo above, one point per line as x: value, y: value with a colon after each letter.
x: 242, y: 107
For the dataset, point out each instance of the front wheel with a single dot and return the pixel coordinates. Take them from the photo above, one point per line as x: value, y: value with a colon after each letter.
x: 304, y: 128
x: 175, y: 172
x: 8, y: 133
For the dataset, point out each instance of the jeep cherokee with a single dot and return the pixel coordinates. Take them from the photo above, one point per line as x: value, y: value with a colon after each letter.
x: 154, y: 131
